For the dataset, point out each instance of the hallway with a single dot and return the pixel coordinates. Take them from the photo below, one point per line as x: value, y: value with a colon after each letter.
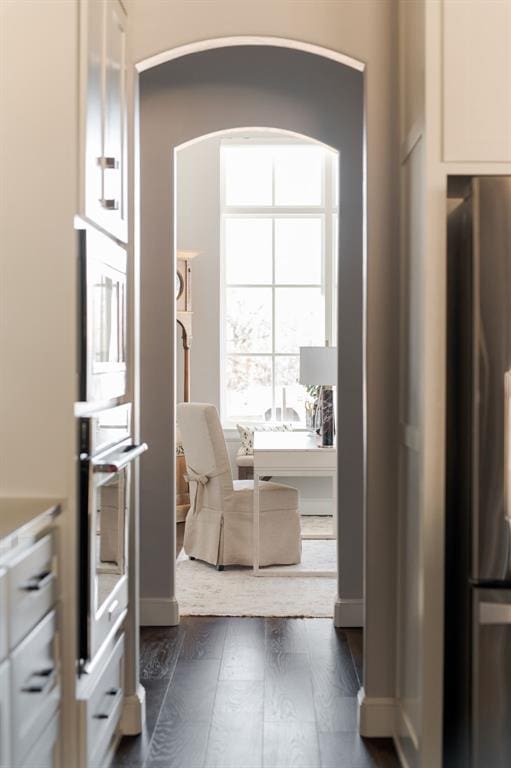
x: 247, y: 693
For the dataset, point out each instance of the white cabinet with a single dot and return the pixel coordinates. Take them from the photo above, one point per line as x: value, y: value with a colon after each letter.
x: 35, y: 692
x: 30, y: 673
x: 32, y: 579
x: 100, y: 706
x: 5, y: 716
x: 477, y: 80
x: 3, y: 615
x: 104, y: 187
x: 45, y: 752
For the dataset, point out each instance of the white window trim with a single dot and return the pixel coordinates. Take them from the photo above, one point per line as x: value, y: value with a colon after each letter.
x: 326, y: 211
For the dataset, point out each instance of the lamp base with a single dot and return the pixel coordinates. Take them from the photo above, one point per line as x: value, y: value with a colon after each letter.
x: 327, y: 430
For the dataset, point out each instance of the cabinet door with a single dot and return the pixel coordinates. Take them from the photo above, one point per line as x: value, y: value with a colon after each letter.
x: 93, y: 107
x: 477, y: 80
x: 114, y: 119
x: 106, y: 116
x: 5, y: 729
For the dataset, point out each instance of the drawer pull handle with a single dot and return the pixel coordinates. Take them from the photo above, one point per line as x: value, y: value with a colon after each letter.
x: 105, y: 715
x: 48, y: 678
x: 108, y: 163
x: 38, y: 582
x: 113, y: 609
x: 110, y: 204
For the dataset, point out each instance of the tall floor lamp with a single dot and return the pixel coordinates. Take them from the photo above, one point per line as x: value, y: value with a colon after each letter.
x: 318, y: 366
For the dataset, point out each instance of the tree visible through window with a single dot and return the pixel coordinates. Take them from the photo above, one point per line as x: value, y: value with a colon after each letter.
x: 279, y: 211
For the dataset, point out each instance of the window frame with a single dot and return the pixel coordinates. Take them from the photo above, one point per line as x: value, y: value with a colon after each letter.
x: 327, y: 212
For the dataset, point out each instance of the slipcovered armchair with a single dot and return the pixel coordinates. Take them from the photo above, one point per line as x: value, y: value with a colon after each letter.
x: 219, y: 525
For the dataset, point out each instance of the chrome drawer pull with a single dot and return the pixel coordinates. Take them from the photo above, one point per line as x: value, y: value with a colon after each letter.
x: 108, y: 163
x: 48, y: 676
x: 36, y: 583
x: 109, y: 204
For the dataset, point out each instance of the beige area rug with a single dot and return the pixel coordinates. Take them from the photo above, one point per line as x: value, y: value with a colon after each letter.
x: 203, y: 591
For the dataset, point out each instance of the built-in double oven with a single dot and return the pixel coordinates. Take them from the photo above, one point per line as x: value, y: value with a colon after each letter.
x: 105, y: 445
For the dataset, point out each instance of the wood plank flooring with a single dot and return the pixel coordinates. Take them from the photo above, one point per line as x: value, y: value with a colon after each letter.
x: 252, y: 693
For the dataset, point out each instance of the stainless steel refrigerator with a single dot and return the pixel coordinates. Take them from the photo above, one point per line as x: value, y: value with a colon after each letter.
x: 477, y: 677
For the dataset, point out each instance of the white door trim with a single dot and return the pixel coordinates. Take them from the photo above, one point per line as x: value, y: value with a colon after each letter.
x: 229, y: 42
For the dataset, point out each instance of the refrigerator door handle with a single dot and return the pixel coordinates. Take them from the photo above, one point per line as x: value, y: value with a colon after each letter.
x: 494, y: 613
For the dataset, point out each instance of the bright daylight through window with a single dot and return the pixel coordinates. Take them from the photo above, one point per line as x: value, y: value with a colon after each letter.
x: 279, y: 231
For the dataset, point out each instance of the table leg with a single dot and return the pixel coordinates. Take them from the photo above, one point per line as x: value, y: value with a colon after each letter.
x: 256, y: 541
x: 334, y: 507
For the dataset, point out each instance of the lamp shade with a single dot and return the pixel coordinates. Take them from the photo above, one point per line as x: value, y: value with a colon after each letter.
x: 318, y: 366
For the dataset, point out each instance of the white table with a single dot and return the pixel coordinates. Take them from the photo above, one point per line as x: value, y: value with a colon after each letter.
x: 290, y: 454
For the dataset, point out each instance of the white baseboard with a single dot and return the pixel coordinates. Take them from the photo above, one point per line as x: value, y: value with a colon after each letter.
x: 316, y: 506
x: 159, y: 612
x: 348, y: 613
x: 133, y: 713
x: 376, y: 717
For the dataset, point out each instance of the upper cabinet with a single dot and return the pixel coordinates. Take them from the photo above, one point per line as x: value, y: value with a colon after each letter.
x: 477, y: 80
x: 104, y: 188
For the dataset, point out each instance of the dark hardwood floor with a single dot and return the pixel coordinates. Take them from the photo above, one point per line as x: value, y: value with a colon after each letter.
x: 252, y: 693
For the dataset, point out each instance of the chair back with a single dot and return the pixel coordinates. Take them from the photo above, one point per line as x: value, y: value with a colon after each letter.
x: 205, y: 451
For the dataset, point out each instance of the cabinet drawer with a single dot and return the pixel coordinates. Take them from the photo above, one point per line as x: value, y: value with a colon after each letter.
x: 101, y: 710
x: 5, y: 729
x: 108, y: 616
x: 34, y: 686
x: 32, y: 588
x: 3, y: 614
x: 45, y: 752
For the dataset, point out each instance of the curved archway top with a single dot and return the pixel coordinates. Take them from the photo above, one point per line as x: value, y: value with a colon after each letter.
x: 255, y: 129
x: 249, y: 40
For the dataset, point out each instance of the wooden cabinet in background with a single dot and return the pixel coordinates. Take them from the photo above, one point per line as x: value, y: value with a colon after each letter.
x: 104, y: 116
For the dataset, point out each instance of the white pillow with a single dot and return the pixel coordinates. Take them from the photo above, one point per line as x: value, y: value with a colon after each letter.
x: 247, y: 434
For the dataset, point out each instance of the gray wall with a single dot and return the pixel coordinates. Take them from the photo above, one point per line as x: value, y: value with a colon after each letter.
x: 185, y: 99
x: 198, y: 229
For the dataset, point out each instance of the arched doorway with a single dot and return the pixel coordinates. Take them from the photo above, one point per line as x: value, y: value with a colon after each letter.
x: 226, y: 85
x: 257, y: 210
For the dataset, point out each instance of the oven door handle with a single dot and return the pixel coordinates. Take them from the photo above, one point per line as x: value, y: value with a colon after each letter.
x: 120, y: 460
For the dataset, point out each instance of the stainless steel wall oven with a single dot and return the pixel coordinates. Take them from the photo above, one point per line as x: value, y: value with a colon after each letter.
x: 106, y: 458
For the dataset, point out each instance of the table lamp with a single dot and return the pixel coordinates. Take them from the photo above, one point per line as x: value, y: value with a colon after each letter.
x: 318, y: 366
